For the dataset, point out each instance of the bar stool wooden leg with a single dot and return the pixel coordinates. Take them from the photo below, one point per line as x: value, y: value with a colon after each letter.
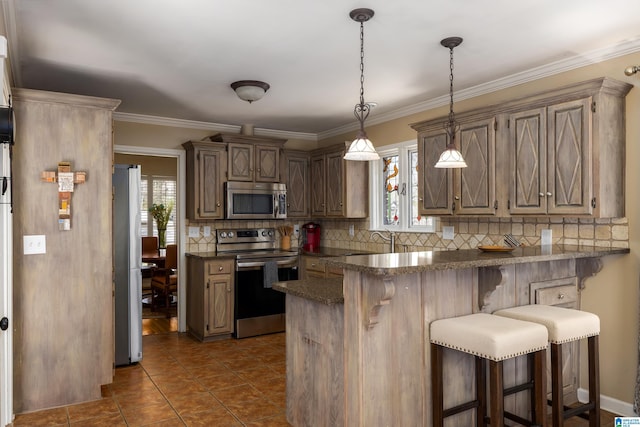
x: 481, y: 392
x: 437, y: 386
x: 496, y: 385
x: 539, y: 406
x: 594, y: 380
x: 557, y: 399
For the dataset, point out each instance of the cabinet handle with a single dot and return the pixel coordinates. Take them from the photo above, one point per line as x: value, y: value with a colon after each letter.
x: 560, y: 296
x: 549, y: 194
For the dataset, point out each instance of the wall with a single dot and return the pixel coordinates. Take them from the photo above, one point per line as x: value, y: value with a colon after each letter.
x: 613, y: 294
x: 63, y: 299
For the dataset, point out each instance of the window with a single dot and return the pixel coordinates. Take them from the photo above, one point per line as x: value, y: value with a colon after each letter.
x: 394, y: 190
x: 163, y: 190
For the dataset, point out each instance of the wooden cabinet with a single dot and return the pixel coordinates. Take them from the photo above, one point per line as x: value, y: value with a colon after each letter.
x: 295, y: 174
x: 466, y: 191
x: 312, y: 268
x: 251, y: 158
x: 210, y: 297
x: 339, y: 188
x: 551, y: 160
x: 249, y: 162
x: 206, y: 169
x: 562, y: 293
x: 560, y: 152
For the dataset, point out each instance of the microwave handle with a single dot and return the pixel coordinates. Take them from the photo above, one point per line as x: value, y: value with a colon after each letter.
x: 276, y: 206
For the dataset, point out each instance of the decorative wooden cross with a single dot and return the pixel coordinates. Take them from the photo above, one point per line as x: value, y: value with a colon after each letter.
x: 66, y: 181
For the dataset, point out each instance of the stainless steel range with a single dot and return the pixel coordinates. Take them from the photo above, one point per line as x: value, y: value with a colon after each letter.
x: 259, y: 262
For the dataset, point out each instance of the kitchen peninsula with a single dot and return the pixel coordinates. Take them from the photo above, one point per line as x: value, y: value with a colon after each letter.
x: 363, y: 360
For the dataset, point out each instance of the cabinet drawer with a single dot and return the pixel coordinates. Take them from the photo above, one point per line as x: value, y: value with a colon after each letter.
x: 220, y: 267
x: 334, y: 272
x: 312, y: 264
x: 557, y: 295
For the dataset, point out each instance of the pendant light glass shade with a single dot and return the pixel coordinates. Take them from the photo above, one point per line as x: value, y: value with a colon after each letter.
x: 361, y: 148
x: 451, y: 158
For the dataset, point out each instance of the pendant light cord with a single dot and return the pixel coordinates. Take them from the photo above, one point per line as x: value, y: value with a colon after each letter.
x: 361, y: 110
x: 452, y: 121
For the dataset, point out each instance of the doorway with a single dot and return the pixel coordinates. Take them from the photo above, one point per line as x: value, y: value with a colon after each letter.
x: 162, y: 176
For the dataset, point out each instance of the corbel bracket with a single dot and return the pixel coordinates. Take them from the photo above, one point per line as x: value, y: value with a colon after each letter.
x: 379, y: 294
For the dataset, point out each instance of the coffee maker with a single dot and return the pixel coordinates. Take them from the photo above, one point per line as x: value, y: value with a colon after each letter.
x: 311, y: 234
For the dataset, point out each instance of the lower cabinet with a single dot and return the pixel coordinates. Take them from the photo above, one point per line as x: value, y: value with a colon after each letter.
x: 210, y: 294
x: 312, y: 268
x: 562, y: 293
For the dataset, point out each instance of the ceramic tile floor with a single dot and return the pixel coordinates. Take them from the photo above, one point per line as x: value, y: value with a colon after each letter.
x: 183, y: 382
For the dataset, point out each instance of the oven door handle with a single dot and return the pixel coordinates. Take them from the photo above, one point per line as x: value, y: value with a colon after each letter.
x: 254, y: 265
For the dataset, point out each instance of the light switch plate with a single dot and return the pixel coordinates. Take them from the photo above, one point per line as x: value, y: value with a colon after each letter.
x: 351, y: 230
x: 194, y: 232
x: 447, y: 233
x: 34, y: 244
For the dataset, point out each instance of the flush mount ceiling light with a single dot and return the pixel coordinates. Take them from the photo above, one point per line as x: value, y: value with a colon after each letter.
x: 250, y: 90
x: 630, y: 71
x: 451, y: 157
x: 361, y: 148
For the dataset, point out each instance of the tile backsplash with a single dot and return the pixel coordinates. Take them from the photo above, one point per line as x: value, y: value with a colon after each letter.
x: 468, y: 233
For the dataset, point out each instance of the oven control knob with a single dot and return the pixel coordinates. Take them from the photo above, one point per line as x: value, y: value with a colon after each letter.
x: 264, y: 232
x: 270, y: 233
x: 223, y: 234
x: 231, y: 234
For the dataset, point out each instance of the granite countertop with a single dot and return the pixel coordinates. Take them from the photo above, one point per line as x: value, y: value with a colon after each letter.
x: 331, y: 252
x: 209, y: 255
x: 325, y: 291
x: 415, y: 262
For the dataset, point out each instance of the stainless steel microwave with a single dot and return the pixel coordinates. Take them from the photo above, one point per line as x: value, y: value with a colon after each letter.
x: 252, y: 200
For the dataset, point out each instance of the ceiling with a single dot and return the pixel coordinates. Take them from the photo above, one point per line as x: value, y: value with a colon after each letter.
x: 176, y: 59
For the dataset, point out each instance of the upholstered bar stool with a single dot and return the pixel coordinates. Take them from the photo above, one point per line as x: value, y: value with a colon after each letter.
x: 566, y: 325
x: 495, y: 339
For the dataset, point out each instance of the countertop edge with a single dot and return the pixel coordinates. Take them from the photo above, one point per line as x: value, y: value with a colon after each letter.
x: 414, y: 262
x: 324, y: 291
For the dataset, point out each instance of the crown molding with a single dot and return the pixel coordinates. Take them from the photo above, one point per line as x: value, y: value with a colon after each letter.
x: 553, y: 68
x: 216, y: 127
x: 9, y: 14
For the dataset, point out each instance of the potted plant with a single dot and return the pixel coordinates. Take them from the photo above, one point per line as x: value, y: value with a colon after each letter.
x: 162, y: 213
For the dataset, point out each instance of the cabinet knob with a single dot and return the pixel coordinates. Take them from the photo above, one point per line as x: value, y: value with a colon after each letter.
x: 560, y: 296
x: 420, y: 199
x: 218, y: 204
x: 220, y: 268
x: 549, y: 194
x: 541, y: 194
x: 456, y: 197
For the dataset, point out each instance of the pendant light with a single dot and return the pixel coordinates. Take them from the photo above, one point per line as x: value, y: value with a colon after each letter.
x: 451, y: 157
x: 361, y: 148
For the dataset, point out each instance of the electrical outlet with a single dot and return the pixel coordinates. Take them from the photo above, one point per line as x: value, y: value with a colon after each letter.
x: 351, y: 230
x: 447, y: 233
x: 296, y: 230
x: 194, y: 232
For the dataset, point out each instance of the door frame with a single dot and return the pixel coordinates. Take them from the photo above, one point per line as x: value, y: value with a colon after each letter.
x: 180, y: 157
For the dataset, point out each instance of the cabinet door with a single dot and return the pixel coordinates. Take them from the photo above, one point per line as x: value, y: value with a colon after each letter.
x: 317, y: 185
x: 296, y: 179
x: 335, y: 181
x: 210, y: 184
x: 268, y: 162
x: 241, y: 162
x: 435, y: 186
x: 527, y: 154
x: 562, y: 293
x: 475, y: 185
x: 218, y: 305
x: 569, y: 151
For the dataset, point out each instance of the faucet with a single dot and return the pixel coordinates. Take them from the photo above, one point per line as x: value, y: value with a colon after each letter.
x: 391, y: 239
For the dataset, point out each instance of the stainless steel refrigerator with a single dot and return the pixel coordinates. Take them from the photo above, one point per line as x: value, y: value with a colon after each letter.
x: 127, y: 259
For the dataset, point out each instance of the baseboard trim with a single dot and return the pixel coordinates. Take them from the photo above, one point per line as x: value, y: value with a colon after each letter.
x: 610, y: 404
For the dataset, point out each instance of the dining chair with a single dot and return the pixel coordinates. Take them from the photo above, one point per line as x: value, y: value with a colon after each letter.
x: 164, y: 281
x: 149, y: 248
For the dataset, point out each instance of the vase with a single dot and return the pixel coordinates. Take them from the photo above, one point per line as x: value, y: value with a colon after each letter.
x: 162, y: 238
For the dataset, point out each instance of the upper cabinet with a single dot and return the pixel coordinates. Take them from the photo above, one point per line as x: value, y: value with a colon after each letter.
x: 469, y: 190
x: 560, y: 152
x: 295, y: 174
x: 206, y: 170
x: 252, y: 158
x: 339, y: 188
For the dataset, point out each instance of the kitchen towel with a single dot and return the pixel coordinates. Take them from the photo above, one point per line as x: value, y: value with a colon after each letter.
x: 270, y: 272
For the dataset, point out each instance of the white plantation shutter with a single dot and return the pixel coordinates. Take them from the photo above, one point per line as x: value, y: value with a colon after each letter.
x: 163, y: 191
